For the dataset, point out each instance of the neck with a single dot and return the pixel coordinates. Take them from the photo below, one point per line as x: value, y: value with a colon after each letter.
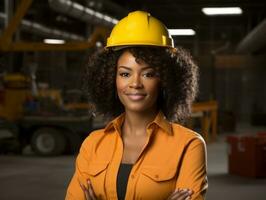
x: 136, y: 122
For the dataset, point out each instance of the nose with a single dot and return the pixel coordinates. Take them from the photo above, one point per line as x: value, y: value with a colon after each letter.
x: 136, y: 82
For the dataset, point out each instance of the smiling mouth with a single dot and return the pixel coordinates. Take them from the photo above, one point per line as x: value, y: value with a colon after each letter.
x: 136, y: 97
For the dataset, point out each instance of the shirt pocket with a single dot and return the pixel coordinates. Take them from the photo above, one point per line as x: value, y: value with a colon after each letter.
x: 159, y: 174
x: 96, y: 173
x: 156, y: 182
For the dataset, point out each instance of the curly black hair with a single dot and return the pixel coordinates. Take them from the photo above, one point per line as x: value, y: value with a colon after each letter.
x: 178, y: 74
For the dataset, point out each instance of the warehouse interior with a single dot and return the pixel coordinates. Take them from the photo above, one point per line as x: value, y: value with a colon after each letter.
x: 44, y: 48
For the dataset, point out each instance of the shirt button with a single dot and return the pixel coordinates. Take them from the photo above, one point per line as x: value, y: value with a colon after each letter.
x: 132, y: 176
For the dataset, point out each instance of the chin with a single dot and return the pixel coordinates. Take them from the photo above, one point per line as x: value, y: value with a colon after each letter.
x: 138, y: 108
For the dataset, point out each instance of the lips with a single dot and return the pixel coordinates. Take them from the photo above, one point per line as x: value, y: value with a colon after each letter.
x: 136, y: 96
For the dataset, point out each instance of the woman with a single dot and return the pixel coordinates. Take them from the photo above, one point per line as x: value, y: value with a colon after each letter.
x: 146, y: 87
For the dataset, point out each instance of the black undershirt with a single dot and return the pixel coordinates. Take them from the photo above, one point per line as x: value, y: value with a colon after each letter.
x: 122, y: 179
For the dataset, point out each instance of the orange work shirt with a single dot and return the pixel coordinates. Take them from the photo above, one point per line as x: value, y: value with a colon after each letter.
x: 172, y: 157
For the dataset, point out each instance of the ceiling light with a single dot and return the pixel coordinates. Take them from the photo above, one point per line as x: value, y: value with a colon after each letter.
x: 107, y: 18
x: 98, y: 44
x: 53, y: 41
x: 115, y: 21
x: 99, y: 15
x: 181, y: 32
x: 222, y: 11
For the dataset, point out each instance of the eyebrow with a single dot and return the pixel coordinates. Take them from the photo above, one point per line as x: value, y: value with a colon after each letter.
x: 128, y: 68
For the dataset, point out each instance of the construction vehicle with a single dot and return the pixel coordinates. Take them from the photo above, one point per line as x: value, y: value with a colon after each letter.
x: 41, y: 120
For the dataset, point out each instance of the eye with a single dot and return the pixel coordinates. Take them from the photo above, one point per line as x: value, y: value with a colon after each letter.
x: 149, y: 74
x: 124, y: 74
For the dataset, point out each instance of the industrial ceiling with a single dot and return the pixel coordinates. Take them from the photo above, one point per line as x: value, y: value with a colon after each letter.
x: 243, y: 33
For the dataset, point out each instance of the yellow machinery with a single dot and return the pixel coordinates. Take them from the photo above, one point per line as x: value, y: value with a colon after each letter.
x: 15, y: 91
x: 50, y: 129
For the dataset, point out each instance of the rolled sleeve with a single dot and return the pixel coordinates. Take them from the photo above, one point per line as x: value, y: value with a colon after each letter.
x: 192, y: 173
x: 74, y: 191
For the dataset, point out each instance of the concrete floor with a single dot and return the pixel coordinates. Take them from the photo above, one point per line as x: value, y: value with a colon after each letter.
x: 29, y: 177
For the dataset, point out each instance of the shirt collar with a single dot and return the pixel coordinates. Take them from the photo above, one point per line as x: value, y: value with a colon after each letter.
x: 160, y: 120
x: 115, y: 124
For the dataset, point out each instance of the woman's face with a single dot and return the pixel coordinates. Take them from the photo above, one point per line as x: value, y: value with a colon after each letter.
x: 137, y: 84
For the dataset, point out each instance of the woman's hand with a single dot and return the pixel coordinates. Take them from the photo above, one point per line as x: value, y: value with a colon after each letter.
x: 88, y: 192
x: 181, y: 194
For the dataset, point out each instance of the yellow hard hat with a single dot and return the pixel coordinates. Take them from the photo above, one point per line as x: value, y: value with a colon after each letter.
x: 139, y: 28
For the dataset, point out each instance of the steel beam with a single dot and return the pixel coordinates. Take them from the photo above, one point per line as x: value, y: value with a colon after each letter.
x: 69, y: 46
x: 6, y: 37
x: 39, y: 46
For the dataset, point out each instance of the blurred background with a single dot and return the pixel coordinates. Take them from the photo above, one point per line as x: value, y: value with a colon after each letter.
x: 44, y: 46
